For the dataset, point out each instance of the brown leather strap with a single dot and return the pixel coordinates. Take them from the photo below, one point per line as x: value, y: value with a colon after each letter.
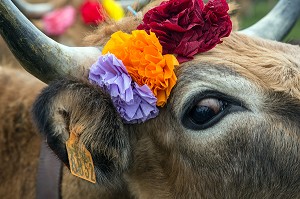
x: 49, y: 174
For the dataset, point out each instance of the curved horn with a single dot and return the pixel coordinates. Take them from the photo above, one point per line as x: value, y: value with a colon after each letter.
x: 33, y: 10
x: 38, y: 54
x: 278, y: 22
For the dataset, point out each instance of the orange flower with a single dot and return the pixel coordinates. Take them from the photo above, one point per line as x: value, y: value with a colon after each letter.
x: 141, y: 54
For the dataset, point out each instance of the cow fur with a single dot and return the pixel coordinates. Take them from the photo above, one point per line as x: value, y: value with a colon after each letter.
x: 252, y: 152
x: 254, y: 160
x: 18, y: 138
x: 176, y: 162
x: 20, y: 142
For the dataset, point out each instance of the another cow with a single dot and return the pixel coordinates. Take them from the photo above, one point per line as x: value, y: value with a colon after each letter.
x: 246, y: 147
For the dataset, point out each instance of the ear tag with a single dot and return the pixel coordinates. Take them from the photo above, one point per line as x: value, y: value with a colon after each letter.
x: 80, y: 159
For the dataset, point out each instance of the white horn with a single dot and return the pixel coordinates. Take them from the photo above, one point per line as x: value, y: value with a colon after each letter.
x: 278, y: 22
x: 38, y: 54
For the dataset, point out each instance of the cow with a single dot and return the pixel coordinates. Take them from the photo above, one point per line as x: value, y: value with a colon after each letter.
x: 73, y: 35
x: 33, y: 11
x: 245, y: 146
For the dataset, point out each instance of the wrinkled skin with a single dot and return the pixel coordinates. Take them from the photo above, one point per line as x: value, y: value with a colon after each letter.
x: 248, y: 149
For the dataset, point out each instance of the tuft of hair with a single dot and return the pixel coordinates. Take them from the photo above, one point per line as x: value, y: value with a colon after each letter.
x: 129, y: 23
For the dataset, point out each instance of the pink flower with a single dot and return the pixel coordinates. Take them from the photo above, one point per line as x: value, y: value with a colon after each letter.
x: 58, y: 21
x: 188, y: 27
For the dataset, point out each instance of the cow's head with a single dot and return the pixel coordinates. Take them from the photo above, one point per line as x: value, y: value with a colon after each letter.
x: 230, y: 128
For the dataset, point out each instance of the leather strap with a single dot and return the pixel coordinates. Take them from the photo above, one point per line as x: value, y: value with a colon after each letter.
x: 49, y: 174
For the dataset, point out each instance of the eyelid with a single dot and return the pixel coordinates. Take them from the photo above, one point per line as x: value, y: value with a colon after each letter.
x: 194, y: 99
x: 233, y: 105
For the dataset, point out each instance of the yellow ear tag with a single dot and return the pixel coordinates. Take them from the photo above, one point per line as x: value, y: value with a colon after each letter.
x: 80, y: 159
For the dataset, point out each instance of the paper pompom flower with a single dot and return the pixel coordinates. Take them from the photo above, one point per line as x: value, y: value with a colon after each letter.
x: 142, y: 56
x: 92, y: 12
x: 188, y: 27
x: 134, y: 103
x: 180, y: 27
x: 58, y: 21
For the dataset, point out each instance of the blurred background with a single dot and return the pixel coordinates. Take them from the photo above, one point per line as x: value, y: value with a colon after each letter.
x: 252, y: 10
x: 249, y: 12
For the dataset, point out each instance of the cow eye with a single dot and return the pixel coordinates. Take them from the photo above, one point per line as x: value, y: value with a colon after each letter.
x: 206, y: 112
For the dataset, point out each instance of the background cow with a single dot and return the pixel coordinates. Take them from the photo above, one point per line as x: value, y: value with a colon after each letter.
x: 248, y: 148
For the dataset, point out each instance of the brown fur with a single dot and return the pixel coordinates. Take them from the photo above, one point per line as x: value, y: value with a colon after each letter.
x: 251, y: 153
x: 130, y: 23
x: 166, y: 162
x: 18, y: 140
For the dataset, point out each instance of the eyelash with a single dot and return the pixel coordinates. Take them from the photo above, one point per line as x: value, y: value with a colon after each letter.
x: 229, y: 105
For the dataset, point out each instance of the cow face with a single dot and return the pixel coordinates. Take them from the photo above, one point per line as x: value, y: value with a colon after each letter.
x: 227, y: 130
x: 234, y: 131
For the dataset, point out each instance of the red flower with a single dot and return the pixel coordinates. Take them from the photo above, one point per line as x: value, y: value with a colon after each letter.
x: 92, y: 12
x: 188, y: 27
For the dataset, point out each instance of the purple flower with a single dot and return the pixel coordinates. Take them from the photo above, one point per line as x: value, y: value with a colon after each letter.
x: 134, y: 103
x: 110, y: 73
x: 143, y: 108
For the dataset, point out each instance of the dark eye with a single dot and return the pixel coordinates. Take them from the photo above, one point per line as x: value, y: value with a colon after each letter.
x: 207, y: 111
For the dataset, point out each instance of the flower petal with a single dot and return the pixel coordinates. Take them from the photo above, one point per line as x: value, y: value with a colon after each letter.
x: 188, y: 27
x: 142, y: 56
x: 134, y: 103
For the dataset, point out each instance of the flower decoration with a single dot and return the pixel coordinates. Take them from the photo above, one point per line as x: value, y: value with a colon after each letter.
x: 113, y: 9
x: 142, y: 56
x: 188, y: 27
x: 58, y: 21
x: 134, y: 103
x: 137, y: 69
x: 92, y: 12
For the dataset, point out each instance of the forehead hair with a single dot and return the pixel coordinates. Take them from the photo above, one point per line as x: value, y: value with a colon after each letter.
x: 270, y: 64
x: 129, y: 23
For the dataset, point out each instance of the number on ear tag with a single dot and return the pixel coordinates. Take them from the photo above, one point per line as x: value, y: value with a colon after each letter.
x: 80, y: 159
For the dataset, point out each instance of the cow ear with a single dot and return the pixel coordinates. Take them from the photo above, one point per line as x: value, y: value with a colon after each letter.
x: 68, y: 103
